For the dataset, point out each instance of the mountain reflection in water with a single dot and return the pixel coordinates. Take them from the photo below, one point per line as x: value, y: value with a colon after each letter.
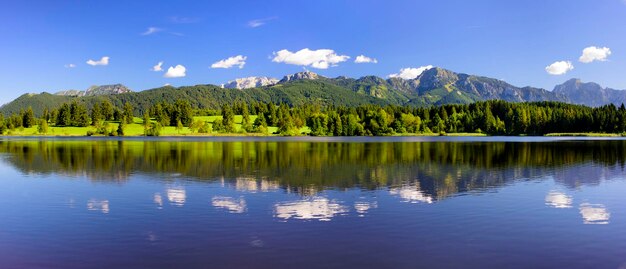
x: 299, y: 204
x: 424, y: 172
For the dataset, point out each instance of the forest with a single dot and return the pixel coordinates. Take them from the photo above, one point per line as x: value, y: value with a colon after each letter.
x: 494, y: 117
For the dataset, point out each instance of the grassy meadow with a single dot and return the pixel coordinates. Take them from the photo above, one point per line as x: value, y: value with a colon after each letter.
x: 137, y: 129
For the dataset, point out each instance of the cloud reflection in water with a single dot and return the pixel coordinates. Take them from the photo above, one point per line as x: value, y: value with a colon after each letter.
x: 316, y: 208
x: 362, y: 207
x: 252, y: 185
x: 411, y: 194
x: 98, y: 205
x: 176, y: 196
x: 230, y: 204
x: 158, y: 200
x: 557, y: 199
x: 594, y: 213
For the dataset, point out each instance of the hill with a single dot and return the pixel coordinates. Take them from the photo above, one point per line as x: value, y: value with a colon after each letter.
x: 590, y: 93
x: 435, y: 86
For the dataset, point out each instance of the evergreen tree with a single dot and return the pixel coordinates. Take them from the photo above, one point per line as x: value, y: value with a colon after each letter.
x: 64, y: 116
x: 107, y: 110
x: 245, y: 119
x: 146, y: 120
x: 228, y: 119
x: 28, y: 118
x: 42, y: 128
x: 120, y: 128
x: 96, y: 114
x: 128, y: 113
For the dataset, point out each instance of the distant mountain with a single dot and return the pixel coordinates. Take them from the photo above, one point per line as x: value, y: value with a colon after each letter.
x: 250, y: 82
x: 438, y: 86
x: 435, y: 86
x: 590, y: 93
x: 299, y: 76
x: 97, y: 90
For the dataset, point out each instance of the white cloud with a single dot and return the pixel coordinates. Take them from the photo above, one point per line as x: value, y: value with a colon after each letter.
x: 238, y: 60
x: 152, y: 30
x: 321, y: 58
x: 103, y: 61
x: 157, y: 67
x: 364, y: 59
x: 260, y: 22
x: 559, y: 68
x: 410, y: 73
x: 70, y: 65
x: 594, y: 53
x: 177, y: 71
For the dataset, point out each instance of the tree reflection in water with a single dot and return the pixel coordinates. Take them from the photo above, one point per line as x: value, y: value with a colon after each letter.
x: 414, y: 171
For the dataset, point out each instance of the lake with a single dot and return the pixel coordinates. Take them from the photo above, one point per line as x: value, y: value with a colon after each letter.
x: 391, y: 202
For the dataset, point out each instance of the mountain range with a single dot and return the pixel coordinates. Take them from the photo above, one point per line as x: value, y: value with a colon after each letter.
x: 435, y: 86
x: 96, y: 90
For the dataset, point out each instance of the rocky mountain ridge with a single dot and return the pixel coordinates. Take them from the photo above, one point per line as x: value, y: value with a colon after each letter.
x: 250, y: 82
x: 96, y: 90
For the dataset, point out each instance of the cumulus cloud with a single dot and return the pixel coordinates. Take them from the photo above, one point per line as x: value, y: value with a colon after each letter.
x: 260, y: 22
x: 70, y: 65
x: 559, y: 68
x: 594, y: 53
x: 151, y: 30
x: 103, y: 61
x: 364, y: 59
x: 320, y: 59
x: 157, y: 67
x: 410, y: 72
x: 238, y: 60
x: 177, y: 71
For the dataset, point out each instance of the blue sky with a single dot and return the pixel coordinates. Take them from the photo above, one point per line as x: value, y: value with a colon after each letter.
x: 45, y: 45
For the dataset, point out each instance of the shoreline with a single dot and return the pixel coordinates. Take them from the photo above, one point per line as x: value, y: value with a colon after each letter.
x: 356, y: 139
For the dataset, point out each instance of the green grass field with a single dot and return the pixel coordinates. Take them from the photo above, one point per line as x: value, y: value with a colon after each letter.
x: 137, y: 129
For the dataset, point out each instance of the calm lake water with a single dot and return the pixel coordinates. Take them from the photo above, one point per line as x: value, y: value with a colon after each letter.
x: 313, y: 203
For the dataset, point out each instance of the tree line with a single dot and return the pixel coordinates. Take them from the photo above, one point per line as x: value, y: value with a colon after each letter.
x: 494, y: 117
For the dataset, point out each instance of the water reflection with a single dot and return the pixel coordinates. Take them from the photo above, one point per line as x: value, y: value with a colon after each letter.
x: 249, y: 184
x: 176, y: 195
x: 395, y: 204
x: 158, y: 200
x: 362, y: 207
x: 315, y: 208
x: 411, y: 194
x: 557, y: 199
x: 439, y: 169
x: 231, y: 204
x: 415, y: 172
x: 98, y: 205
x: 594, y: 213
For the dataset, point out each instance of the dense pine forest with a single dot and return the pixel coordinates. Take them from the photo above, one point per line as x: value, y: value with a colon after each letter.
x: 490, y: 117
